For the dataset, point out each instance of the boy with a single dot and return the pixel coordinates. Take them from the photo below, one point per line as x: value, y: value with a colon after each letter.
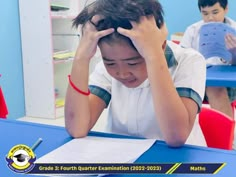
x: 150, y: 85
x: 214, y: 11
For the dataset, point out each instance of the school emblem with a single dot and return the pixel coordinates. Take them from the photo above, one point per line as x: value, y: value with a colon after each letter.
x: 21, y: 159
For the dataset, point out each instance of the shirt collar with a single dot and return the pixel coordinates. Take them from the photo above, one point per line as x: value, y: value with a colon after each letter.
x: 170, y: 58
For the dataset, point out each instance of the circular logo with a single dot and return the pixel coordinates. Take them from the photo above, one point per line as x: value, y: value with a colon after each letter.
x: 21, y: 159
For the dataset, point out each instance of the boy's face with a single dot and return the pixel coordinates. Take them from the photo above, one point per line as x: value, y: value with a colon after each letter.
x: 214, y: 13
x: 124, y: 63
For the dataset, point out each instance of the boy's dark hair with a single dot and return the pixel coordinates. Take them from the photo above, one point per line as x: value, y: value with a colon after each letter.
x: 205, y: 3
x: 119, y: 13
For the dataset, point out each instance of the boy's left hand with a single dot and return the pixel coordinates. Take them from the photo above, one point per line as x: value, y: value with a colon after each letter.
x: 146, y: 36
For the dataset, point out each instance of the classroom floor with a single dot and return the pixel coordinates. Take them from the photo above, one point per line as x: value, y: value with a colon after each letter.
x: 100, y: 125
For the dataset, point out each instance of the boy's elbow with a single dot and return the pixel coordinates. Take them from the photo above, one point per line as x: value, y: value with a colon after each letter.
x: 77, y: 133
x: 73, y: 128
x: 176, y: 142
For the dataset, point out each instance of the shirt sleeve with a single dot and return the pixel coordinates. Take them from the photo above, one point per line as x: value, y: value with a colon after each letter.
x: 190, y: 93
x: 100, y: 83
x: 187, y: 38
x: 189, y: 75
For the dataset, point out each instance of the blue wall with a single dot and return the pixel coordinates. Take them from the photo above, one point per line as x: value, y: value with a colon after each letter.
x: 10, y: 59
x: 178, y: 15
x: 232, y: 9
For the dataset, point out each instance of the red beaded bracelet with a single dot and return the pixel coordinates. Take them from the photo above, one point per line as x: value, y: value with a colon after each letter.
x: 77, y: 89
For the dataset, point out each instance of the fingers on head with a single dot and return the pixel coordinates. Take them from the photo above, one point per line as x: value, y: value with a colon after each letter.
x: 95, y: 19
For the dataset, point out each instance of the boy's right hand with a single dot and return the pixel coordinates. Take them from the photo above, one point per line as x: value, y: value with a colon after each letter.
x: 89, y: 39
x: 230, y: 41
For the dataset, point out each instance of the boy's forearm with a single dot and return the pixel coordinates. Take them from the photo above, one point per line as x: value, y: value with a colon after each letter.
x: 172, y: 112
x: 77, y: 114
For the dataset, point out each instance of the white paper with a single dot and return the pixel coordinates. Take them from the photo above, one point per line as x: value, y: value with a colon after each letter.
x: 212, y: 40
x: 98, y: 150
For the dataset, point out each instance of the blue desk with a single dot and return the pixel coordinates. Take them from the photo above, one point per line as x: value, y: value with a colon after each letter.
x: 224, y: 76
x: 17, y: 132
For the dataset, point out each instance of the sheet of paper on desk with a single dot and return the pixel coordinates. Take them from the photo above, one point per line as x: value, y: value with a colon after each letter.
x: 98, y: 150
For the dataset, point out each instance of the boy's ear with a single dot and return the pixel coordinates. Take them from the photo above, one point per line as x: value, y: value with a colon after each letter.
x: 164, y: 45
x: 164, y: 30
x: 226, y: 9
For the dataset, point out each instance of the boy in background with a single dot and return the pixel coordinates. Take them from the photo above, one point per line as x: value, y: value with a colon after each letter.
x: 219, y: 98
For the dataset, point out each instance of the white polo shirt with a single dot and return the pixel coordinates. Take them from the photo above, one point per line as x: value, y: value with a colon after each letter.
x: 191, y: 37
x: 131, y: 110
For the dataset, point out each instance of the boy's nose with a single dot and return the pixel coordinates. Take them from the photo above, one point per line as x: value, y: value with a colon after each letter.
x: 211, y: 18
x: 122, y: 73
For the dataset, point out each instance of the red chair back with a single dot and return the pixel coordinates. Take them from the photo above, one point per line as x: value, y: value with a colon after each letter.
x: 3, y: 106
x: 217, y: 128
x: 233, y: 104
